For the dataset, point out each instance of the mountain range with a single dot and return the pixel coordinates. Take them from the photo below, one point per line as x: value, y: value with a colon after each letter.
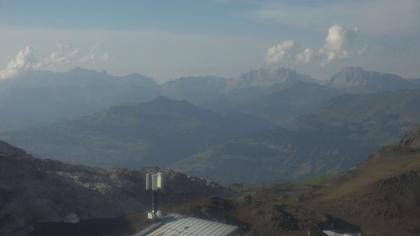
x: 40, y: 97
x: 357, y: 79
x: 196, y: 89
x: 275, y: 123
x: 277, y: 95
x: 253, y: 133
x: 338, y: 136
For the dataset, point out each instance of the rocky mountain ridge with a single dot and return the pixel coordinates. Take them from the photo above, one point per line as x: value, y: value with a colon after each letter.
x: 35, y: 190
x: 357, y: 79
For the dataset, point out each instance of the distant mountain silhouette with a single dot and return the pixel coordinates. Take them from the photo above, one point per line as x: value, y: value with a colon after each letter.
x: 278, y: 95
x: 268, y: 77
x: 39, y: 97
x: 356, y: 80
x: 196, y: 89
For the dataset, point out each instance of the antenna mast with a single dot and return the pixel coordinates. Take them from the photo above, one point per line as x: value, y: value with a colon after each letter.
x: 154, y: 183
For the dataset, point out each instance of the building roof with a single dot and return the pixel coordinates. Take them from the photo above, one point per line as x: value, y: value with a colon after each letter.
x: 178, y: 225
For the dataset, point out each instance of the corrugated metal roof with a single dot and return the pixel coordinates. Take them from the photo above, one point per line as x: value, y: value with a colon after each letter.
x: 177, y: 225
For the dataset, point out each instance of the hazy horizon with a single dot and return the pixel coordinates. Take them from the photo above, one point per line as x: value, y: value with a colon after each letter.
x: 167, y: 40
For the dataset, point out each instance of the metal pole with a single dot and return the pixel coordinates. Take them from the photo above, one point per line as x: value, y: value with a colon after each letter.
x: 154, y: 203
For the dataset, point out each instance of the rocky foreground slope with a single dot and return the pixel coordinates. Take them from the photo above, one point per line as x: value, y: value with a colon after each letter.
x: 34, y: 190
x: 382, y: 195
x: 379, y: 197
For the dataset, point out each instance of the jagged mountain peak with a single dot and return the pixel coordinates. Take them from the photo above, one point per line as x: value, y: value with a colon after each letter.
x: 357, y: 79
x: 279, y: 73
x: 360, y: 74
x: 267, y: 77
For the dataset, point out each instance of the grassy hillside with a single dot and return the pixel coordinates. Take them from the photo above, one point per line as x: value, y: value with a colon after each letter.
x: 277, y: 155
x: 343, y: 133
x: 159, y: 132
x: 381, y: 194
x: 375, y: 118
x: 379, y: 197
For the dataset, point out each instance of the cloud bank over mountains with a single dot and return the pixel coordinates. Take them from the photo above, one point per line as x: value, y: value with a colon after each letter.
x: 25, y: 60
x: 338, y: 46
x: 281, y: 51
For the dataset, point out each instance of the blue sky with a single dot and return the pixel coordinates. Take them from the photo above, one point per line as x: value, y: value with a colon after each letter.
x: 168, y: 39
x: 117, y: 15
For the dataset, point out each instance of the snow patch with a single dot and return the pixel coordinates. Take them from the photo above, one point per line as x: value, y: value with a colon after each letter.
x: 332, y: 233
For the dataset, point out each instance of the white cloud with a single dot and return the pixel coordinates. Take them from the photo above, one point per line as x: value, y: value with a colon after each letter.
x: 24, y: 61
x: 280, y: 52
x: 163, y: 55
x: 338, y: 46
x: 95, y: 54
x: 64, y: 54
x: 305, y: 57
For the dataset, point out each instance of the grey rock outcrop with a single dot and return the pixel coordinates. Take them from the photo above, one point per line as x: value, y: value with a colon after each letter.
x: 34, y: 190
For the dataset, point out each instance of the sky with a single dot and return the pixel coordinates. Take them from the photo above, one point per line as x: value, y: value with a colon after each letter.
x: 170, y: 39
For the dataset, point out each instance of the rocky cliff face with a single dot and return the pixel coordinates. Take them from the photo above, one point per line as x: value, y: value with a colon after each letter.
x: 411, y: 140
x: 34, y: 190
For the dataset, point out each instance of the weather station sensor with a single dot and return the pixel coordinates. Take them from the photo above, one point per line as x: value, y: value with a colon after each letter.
x: 154, y: 184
